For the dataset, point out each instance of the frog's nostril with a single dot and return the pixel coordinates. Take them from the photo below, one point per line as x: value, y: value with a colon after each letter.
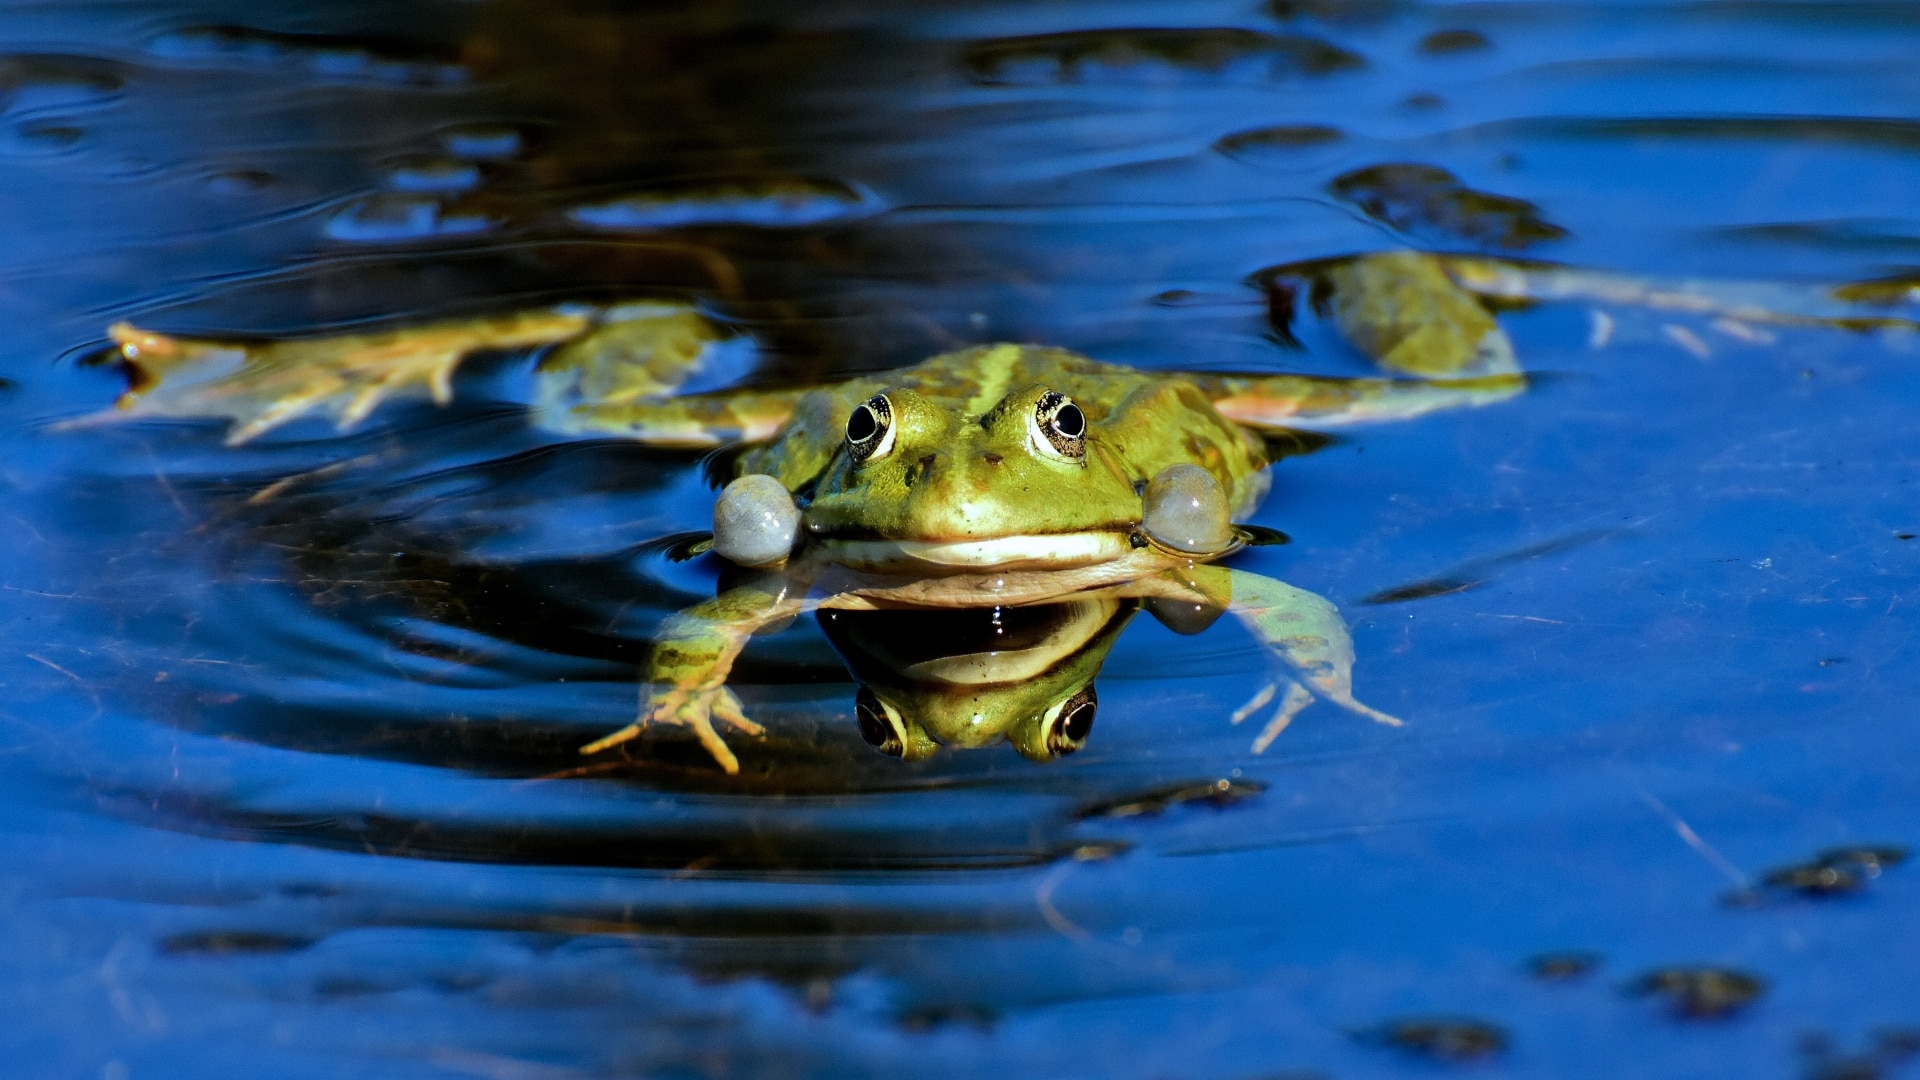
x: 993, y: 459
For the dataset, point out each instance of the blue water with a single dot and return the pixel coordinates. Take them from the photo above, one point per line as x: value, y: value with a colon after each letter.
x: 283, y: 773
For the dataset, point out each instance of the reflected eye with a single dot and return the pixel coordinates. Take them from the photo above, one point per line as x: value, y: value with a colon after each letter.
x: 870, y: 429
x: 1060, y: 426
x: 1067, y: 727
x: 876, y: 726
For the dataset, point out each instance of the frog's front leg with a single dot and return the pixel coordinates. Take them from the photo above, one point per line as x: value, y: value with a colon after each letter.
x: 1300, y: 629
x: 693, y: 654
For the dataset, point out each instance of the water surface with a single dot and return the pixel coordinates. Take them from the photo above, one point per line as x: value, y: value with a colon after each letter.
x: 289, y: 738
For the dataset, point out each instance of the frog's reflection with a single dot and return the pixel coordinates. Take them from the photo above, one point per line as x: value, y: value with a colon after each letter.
x: 975, y: 676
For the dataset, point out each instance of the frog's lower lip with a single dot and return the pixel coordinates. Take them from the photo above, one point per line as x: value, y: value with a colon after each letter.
x: 1038, y: 551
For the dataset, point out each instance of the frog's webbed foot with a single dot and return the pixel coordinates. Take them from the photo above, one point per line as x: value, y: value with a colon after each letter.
x: 1297, y: 697
x: 692, y: 657
x: 695, y: 709
x: 1301, y: 631
x: 263, y: 384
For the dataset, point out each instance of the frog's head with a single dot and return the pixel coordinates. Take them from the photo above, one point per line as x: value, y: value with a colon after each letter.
x: 975, y: 676
x: 1027, y: 484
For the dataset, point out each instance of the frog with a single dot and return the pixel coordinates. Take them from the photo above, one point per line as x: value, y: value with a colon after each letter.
x: 996, y: 479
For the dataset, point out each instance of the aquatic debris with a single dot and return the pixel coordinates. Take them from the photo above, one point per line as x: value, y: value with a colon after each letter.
x: 1280, y: 136
x: 1444, y: 42
x: 1429, y: 200
x: 483, y: 142
x: 1563, y: 966
x: 395, y: 218
x: 1886, y: 1049
x: 1337, y: 11
x: 237, y: 182
x: 1217, y: 794
x: 1441, y: 1038
x: 980, y: 1018
x: 788, y: 204
x: 233, y: 943
x: 1881, y: 292
x: 1700, y: 993
x: 1284, y: 146
x: 32, y: 81
x: 1476, y: 572
x: 1076, y: 55
x: 1423, y: 590
x: 434, y: 176
x: 1831, y: 873
x: 45, y: 138
x: 324, y: 56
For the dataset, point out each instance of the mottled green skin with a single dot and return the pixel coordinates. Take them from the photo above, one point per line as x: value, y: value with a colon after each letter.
x: 964, y: 465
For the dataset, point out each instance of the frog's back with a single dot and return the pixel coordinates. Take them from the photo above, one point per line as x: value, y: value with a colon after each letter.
x: 971, y: 381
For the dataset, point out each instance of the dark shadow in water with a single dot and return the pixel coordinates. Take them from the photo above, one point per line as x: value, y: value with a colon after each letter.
x: 1474, y: 573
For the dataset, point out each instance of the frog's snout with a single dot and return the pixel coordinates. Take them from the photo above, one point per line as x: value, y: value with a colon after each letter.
x: 755, y: 521
x: 1185, y: 509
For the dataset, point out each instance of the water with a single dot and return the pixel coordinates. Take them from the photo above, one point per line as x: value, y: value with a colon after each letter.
x: 289, y: 733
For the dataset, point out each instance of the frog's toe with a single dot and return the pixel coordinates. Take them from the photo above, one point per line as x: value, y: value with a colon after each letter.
x: 608, y: 742
x: 1371, y: 713
x: 728, y: 710
x: 702, y: 725
x: 1256, y: 702
x: 695, y: 710
x: 1296, y: 698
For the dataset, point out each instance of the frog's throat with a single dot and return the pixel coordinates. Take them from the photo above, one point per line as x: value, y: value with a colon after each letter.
x: 1041, y: 551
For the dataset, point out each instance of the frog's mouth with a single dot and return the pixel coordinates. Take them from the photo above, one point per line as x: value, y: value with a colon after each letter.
x: 1035, y: 551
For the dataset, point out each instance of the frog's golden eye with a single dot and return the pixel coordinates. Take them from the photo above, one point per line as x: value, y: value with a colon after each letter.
x: 870, y: 429
x: 1066, y: 726
x: 1060, y: 427
x: 878, y: 724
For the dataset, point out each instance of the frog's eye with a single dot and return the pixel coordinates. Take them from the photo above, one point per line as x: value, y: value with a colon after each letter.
x: 879, y: 725
x: 1059, y: 427
x: 1066, y: 726
x: 870, y: 429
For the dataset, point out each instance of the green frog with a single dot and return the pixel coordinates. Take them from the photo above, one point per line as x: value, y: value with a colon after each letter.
x: 994, y: 479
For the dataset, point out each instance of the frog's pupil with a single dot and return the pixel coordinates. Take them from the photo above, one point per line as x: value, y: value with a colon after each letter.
x: 861, y: 425
x: 1070, y: 421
